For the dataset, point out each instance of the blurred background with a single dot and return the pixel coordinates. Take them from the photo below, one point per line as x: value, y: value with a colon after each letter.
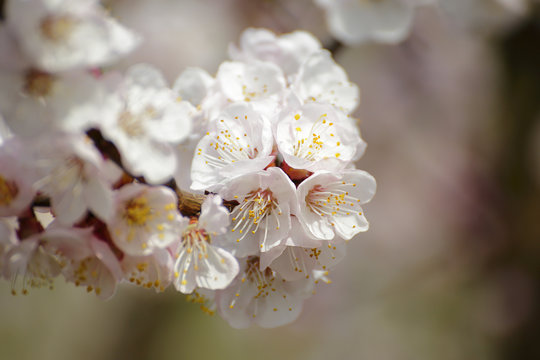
x: 450, y: 269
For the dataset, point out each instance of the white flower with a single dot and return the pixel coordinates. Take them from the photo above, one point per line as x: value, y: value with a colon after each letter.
x: 75, y: 176
x: 200, y: 264
x: 16, y: 179
x: 288, y: 51
x: 261, y: 297
x: 358, y: 21
x: 34, y: 101
x: 260, y: 83
x: 151, y: 271
x: 296, y: 237
x: 321, y: 80
x: 238, y: 143
x: 85, y: 260
x: 146, y: 219
x: 144, y: 120
x: 262, y: 218
x: 31, y: 262
x: 192, y: 85
x: 318, y: 137
x: 330, y: 203
x: 59, y: 35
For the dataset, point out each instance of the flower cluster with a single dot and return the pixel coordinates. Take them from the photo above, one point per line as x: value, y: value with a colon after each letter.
x: 238, y: 189
x: 278, y: 143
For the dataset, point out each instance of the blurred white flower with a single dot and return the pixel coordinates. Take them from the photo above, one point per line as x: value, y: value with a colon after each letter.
x: 192, y: 85
x: 359, y: 21
x: 321, y: 80
x: 151, y: 271
x: 31, y: 263
x: 34, y: 101
x: 59, y: 35
x: 146, y: 218
x: 144, y: 120
x: 261, y: 297
x: 16, y: 178
x: 288, y: 51
x: 85, y: 260
x: 74, y: 175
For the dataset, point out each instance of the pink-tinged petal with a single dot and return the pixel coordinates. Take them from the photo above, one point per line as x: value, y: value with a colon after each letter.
x: 68, y: 206
x: 99, y: 197
x: 214, y: 216
x: 16, y: 191
x: 108, y: 279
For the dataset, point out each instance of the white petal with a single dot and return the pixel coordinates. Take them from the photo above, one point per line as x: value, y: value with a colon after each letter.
x: 220, y: 269
x: 99, y: 197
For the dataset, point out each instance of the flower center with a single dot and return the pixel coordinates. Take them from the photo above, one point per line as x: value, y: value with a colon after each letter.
x: 133, y: 124
x: 38, y: 84
x: 137, y: 212
x: 257, y: 207
x: 264, y: 280
x: 141, y: 274
x: 8, y: 191
x: 332, y: 200
x: 230, y: 147
x: 40, y: 271
x: 88, y: 272
x: 308, y: 144
x: 195, y: 236
x: 57, y: 28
